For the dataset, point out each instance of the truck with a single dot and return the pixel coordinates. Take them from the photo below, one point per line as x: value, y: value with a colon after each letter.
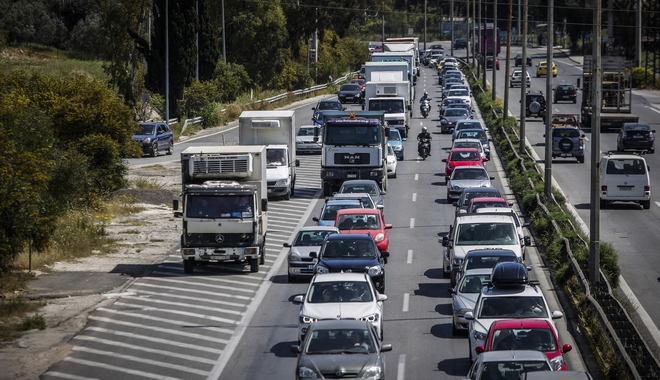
x: 224, y: 205
x: 392, y: 71
x: 354, y: 147
x: 407, y: 56
x: 404, y: 44
x: 616, y: 91
x: 392, y: 98
x: 276, y: 130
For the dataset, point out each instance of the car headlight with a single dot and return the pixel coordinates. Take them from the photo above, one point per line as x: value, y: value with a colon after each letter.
x: 479, y: 336
x: 371, y: 318
x: 375, y: 271
x: 398, y: 147
x: 376, y: 372
x: 380, y: 237
x: 282, y: 182
x: 294, y: 256
x: 146, y: 141
x: 462, y: 311
x: 455, y: 188
x: 322, y: 270
x: 444, y: 121
x: 457, y: 262
x: 557, y: 362
x: 309, y: 373
x: 307, y: 320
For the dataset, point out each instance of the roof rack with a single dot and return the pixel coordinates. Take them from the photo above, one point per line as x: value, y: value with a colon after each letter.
x: 615, y: 152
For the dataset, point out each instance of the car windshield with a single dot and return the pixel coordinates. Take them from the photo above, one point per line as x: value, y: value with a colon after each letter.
x: 359, y: 222
x: 480, y: 135
x: 537, y: 339
x: 339, y: 291
x: 455, y: 112
x: 468, y: 125
x: 371, y: 189
x: 330, y: 106
x: 468, y: 144
x: 394, y: 136
x: 350, y: 87
x: 486, y: 233
x: 146, y: 129
x: 473, y: 283
x: 637, y: 127
x: 324, y: 342
x: 349, y: 249
x: 469, y: 195
x: 306, y: 132
x: 330, y: 210
x: 478, y: 205
x: 626, y: 166
x: 512, y: 307
x: 469, y: 174
x: 459, y: 93
x: 310, y: 238
x: 484, y: 262
x: 276, y: 157
x: 511, y: 369
x: 464, y: 156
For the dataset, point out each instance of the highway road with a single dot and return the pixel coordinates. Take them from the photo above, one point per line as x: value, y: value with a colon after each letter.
x: 225, y: 323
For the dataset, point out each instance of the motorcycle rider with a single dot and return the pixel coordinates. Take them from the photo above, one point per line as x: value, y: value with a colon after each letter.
x: 424, y: 134
x: 426, y: 97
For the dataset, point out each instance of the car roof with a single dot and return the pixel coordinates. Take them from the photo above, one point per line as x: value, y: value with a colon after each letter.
x: 354, y: 211
x: 518, y: 355
x: 365, y: 236
x: 336, y: 276
x: 521, y: 323
x: 556, y: 375
x: 318, y: 228
x: 477, y: 271
x: 339, y: 324
x: 488, y: 199
x: 622, y: 157
x: 343, y: 201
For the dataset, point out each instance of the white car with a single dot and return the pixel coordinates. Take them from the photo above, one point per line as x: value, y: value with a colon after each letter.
x: 391, y: 162
x: 510, y: 295
x: 525, y: 240
x: 464, y: 296
x: 463, y: 177
x: 308, y: 239
x: 516, y: 78
x: 464, y: 94
x: 624, y: 177
x: 305, y: 139
x: 340, y: 296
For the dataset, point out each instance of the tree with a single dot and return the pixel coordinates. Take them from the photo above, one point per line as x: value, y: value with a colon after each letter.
x: 209, y: 43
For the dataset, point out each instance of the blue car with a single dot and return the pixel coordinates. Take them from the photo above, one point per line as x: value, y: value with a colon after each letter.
x: 155, y: 138
x: 323, y: 105
x: 396, y: 141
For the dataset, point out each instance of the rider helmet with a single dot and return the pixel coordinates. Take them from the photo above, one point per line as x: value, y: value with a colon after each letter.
x: 426, y: 93
x: 423, y: 129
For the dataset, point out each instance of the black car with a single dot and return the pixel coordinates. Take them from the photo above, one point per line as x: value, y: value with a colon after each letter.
x: 355, y: 253
x: 637, y: 136
x: 475, y: 192
x: 155, y: 138
x: 565, y: 92
x: 518, y: 60
x: 460, y: 43
x: 535, y: 103
x: 350, y: 93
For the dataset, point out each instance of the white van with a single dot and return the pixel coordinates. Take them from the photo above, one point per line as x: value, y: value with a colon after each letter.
x: 624, y: 177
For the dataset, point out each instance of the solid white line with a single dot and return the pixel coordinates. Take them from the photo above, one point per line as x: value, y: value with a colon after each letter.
x: 119, y: 369
x: 205, y: 279
x: 401, y: 368
x: 156, y: 340
x: 178, y: 312
x: 412, y: 222
x: 657, y: 203
x: 406, y: 301
x: 410, y: 256
x: 141, y: 360
x: 414, y: 198
x: 652, y: 109
x: 416, y: 177
x: 187, y: 334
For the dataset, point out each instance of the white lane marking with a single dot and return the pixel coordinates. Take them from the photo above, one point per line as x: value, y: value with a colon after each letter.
x: 410, y: 256
x: 186, y: 306
x: 118, y: 369
x: 412, y: 222
x: 406, y: 301
x: 147, y: 309
x: 170, y: 342
x: 652, y: 109
x: 68, y: 376
x: 170, y: 330
x: 657, y: 203
x: 216, y: 287
x: 416, y: 176
x: 414, y: 198
x: 401, y: 368
x: 190, y: 298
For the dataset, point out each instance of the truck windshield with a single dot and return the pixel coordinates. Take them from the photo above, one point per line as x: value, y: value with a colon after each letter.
x: 276, y: 157
x: 387, y: 105
x: 219, y: 206
x: 347, y: 134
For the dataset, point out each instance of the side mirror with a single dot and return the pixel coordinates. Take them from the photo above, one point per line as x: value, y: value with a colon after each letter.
x: 566, y: 348
x: 544, y: 135
x: 264, y: 204
x: 286, y: 245
x: 386, y: 347
x: 491, y: 178
x: 527, y: 239
x: 175, y: 204
x: 557, y: 314
x: 404, y: 139
x: 297, y: 163
x: 178, y: 214
x: 455, y: 204
x: 469, y: 316
x: 444, y: 160
x: 445, y: 241
x: 295, y: 349
x: 343, y: 109
x: 384, y: 254
x: 313, y: 108
x: 299, y: 298
x: 381, y: 297
x: 315, y: 219
x: 479, y: 349
x: 451, y: 291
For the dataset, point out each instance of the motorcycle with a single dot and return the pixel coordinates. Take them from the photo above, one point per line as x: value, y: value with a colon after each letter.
x: 425, y: 107
x: 423, y: 148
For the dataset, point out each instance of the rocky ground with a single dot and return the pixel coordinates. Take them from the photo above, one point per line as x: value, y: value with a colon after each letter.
x: 72, y: 290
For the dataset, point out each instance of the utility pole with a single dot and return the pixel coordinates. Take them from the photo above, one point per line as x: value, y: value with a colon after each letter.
x: 523, y: 81
x: 197, y: 41
x: 424, y: 26
x: 167, y: 62
x: 479, y: 43
x: 224, y: 52
x: 594, y: 223
x: 496, y: 38
x: 638, y: 33
x: 474, y: 30
x: 451, y: 25
x: 548, y: 109
x: 508, y: 62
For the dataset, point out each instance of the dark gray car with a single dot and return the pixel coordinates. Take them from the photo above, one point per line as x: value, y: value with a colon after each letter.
x: 450, y: 117
x: 341, y: 349
x: 364, y: 186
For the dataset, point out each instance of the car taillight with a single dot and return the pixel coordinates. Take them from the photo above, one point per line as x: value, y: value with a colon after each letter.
x: 580, y: 141
x: 574, y: 92
x: 647, y: 188
x: 603, y: 187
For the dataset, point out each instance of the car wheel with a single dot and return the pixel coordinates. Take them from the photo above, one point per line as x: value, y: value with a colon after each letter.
x: 581, y: 159
x: 470, y: 349
x: 394, y: 175
x: 154, y: 149
x: 452, y: 278
x: 287, y: 196
x: 646, y: 205
x: 448, y: 199
x: 170, y: 148
x: 188, y: 266
x: 574, y: 100
x: 454, y: 330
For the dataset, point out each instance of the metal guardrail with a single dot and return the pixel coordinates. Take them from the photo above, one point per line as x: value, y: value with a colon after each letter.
x: 197, y: 120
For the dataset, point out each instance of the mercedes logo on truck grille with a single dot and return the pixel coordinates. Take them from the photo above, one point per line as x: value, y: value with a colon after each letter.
x: 219, y: 238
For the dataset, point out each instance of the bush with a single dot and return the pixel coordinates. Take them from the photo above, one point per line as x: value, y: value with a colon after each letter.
x: 642, y: 77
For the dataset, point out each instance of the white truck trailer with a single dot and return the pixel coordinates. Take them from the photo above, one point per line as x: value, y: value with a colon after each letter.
x: 393, y: 98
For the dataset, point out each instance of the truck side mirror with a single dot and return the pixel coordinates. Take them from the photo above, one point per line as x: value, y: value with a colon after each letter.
x: 315, y: 219
x: 264, y: 204
x: 297, y: 163
x: 445, y: 241
x: 175, y: 204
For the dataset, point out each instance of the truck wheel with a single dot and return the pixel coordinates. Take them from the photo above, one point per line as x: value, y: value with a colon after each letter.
x: 293, y: 187
x: 254, y: 265
x: 154, y: 149
x: 188, y: 266
x: 646, y: 205
x: 327, y: 189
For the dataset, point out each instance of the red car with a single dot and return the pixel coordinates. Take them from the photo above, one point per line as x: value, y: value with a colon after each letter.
x: 477, y: 203
x: 361, y: 82
x: 527, y: 334
x: 355, y: 220
x: 489, y: 62
x: 462, y: 157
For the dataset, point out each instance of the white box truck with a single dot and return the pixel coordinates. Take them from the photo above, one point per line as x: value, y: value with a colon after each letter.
x: 276, y: 130
x: 224, y: 205
x: 392, y: 98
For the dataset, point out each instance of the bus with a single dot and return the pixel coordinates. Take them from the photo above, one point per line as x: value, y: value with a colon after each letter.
x: 488, y: 42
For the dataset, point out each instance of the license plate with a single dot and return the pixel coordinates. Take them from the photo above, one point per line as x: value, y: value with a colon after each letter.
x: 564, y: 155
x: 625, y: 188
x: 638, y: 137
x: 351, y: 176
x: 349, y: 97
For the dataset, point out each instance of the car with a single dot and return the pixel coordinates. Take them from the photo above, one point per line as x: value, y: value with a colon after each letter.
x: 567, y: 141
x: 542, y: 69
x: 525, y: 240
x: 448, y: 102
x: 324, y: 105
x: 331, y: 207
x: 489, y: 62
x: 360, y: 82
x: 308, y: 239
x: 455, y: 85
x: 467, y: 107
x: 462, y: 157
x: 510, y: 295
x: 464, y: 295
x: 350, y: 221
x: 334, y: 296
x: 355, y: 252
x: 556, y: 375
x: 518, y: 60
x: 391, y: 162
x: 466, y: 95
x: 396, y: 140
x: 309, y: 139
x: 350, y: 93
x: 338, y: 341
x: 469, y: 143
x: 486, y: 258
x: 364, y: 186
x: 527, y: 334
x: 155, y: 138
x: 638, y: 136
x: 495, y: 365
x: 535, y: 103
x: 564, y: 119
x: 479, y: 134
x: 460, y: 43
x: 436, y: 47
x: 448, y: 81
x: 474, y: 192
x: 624, y: 177
x: 466, y: 124
x: 487, y: 202
x: 516, y: 79
x: 450, y: 117
x: 365, y: 198
x: 565, y: 92
x: 463, y: 177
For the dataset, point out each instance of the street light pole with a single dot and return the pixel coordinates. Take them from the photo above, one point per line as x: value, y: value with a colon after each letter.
x: 167, y: 62
x: 496, y: 38
x: 594, y: 224
x: 548, y: 90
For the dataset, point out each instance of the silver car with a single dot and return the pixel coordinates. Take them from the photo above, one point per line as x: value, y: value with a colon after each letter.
x: 307, y: 141
x: 464, y: 295
x: 309, y: 239
x: 464, y: 177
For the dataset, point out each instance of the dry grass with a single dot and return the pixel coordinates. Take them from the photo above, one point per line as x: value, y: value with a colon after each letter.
x: 13, y: 321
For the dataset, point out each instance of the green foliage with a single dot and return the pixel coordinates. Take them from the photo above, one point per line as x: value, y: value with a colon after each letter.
x: 294, y: 76
x: 36, y: 321
x: 609, y: 263
x: 641, y: 77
